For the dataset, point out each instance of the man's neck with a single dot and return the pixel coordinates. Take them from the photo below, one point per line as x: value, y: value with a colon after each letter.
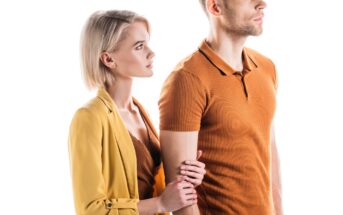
x: 229, y: 47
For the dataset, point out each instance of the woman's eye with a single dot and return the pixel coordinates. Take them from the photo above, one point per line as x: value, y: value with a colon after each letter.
x: 139, y: 47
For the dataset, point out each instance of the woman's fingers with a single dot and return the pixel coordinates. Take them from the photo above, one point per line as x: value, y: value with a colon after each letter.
x: 184, y: 185
x: 197, y: 168
x: 187, y: 190
x: 192, y: 174
x: 187, y: 193
x: 178, y: 194
x: 195, y: 181
x: 194, y: 171
x: 194, y: 163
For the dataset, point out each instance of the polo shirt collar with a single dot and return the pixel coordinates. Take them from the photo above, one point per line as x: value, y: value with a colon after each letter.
x: 248, y: 62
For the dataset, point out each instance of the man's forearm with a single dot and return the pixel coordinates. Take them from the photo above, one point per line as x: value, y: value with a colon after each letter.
x: 177, y: 147
x: 277, y: 201
x: 276, y: 187
x: 276, y: 177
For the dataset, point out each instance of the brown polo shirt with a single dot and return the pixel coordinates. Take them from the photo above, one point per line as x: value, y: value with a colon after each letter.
x: 233, y: 112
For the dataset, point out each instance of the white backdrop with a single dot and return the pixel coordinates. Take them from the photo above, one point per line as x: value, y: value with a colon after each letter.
x: 41, y: 87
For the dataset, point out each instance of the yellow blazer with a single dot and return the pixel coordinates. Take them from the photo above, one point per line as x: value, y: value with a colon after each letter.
x: 103, y: 160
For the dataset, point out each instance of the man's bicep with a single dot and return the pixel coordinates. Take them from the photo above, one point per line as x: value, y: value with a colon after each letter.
x: 177, y: 147
x: 182, y: 102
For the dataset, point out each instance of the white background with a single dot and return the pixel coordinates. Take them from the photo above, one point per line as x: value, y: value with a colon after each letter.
x: 41, y: 87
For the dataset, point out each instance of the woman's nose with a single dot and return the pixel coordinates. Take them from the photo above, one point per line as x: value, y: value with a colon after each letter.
x: 151, y: 54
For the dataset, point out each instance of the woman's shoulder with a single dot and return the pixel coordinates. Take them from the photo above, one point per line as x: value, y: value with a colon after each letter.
x: 94, y: 109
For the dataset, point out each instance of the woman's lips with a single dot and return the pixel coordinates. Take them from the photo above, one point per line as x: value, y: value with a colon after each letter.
x: 150, y: 65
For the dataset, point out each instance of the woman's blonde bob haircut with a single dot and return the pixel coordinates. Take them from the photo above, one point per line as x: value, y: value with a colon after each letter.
x: 103, y: 32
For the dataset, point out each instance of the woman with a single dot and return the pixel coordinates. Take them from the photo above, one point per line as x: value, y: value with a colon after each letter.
x: 114, y: 149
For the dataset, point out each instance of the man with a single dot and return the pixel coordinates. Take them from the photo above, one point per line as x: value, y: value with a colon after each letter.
x: 221, y: 100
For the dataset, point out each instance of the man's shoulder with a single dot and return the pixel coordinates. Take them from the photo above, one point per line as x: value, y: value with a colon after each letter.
x: 188, y: 72
x: 192, y: 65
x: 257, y: 57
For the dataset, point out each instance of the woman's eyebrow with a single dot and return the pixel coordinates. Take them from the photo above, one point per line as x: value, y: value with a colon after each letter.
x: 138, y: 42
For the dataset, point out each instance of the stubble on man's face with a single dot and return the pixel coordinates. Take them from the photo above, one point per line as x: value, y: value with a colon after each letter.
x: 239, y: 22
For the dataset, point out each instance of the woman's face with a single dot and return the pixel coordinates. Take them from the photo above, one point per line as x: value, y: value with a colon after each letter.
x: 133, y: 57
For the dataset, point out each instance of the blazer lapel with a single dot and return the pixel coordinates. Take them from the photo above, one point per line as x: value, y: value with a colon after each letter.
x: 124, y: 142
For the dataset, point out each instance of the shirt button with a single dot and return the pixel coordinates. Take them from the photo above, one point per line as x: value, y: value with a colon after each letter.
x: 109, y: 205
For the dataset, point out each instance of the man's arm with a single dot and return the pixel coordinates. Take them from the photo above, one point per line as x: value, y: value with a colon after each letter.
x: 276, y: 178
x: 177, y: 147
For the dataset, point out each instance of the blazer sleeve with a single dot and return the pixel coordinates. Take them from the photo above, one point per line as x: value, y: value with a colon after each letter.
x: 85, y: 147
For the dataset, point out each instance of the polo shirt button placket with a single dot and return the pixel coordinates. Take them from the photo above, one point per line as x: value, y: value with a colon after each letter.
x: 242, y: 76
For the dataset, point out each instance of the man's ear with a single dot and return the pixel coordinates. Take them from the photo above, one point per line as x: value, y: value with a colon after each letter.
x: 213, y: 7
x: 108, y: 60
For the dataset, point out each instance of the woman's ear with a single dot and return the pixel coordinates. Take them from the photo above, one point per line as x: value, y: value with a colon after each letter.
x: 108, y: 60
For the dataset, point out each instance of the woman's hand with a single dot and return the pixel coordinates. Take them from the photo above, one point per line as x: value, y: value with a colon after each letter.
x: 177, y: 194
x: 193, y: 171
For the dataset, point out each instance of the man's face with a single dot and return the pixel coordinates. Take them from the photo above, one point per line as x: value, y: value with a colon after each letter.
x: 243, y: 17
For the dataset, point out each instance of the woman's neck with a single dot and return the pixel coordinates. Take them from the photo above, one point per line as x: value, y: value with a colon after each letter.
x: 120, y: 91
